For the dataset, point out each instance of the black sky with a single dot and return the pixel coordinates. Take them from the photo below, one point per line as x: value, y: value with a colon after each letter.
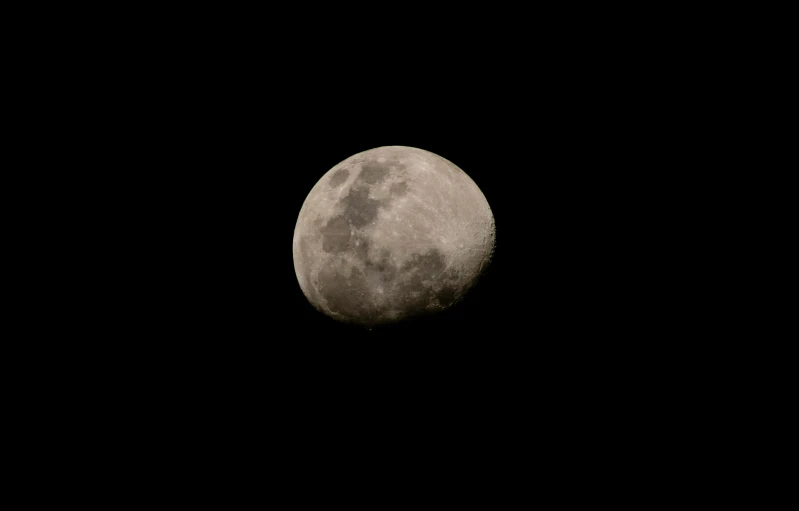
x: 567, y: 139
x: 181, y: 335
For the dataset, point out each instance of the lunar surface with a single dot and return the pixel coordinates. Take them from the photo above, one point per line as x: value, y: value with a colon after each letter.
x: 390, y: 234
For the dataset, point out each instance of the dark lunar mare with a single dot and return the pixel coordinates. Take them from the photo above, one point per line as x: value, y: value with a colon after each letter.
x: 398, y: 189
x: 336, y: 235
x: 373, y: 172
x: 339, y: 177
x: 428, y: 281
x: 359, y: 209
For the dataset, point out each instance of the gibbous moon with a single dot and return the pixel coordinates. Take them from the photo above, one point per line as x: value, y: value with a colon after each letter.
x: 389, y: 234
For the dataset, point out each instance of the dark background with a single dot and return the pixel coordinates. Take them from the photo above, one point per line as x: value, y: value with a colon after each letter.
x: 569, y: 140
x: 569, y: 331
x: 571, y: 167
x: 203, y: 132
x: 208, y: 135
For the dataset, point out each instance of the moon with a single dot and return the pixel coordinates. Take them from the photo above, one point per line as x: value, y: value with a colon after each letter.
x: 390, y: 234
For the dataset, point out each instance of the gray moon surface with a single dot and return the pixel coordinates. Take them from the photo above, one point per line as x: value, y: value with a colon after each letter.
x: 390, y: 234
